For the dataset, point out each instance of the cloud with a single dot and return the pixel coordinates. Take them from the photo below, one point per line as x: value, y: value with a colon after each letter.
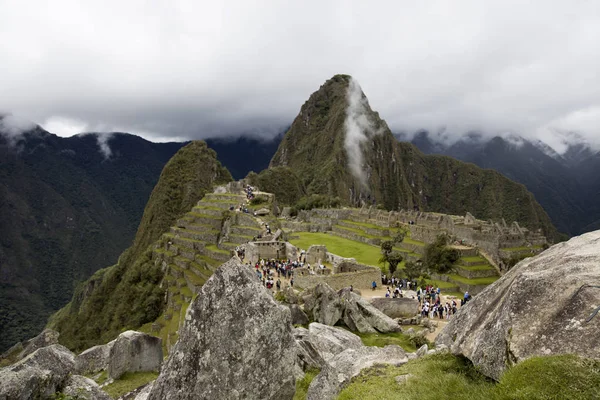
x: 358, y: 129
x: 12, y: 127
x: 196, y: 69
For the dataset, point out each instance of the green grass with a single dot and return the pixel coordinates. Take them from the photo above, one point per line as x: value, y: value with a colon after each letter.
x: 362, y: 252
x: 521, y: 248
x: 473, y: 258
x: 384, y: 339
x: 128, y: 382
x: 213, y: 247
x: 303, y: 384
x: 474, y: 281
x: 442, y: 284
x: 362, y: 233
x: 444, y: 376
x: 365, y: 225
x: 481, y: 267
x: 408, y: 240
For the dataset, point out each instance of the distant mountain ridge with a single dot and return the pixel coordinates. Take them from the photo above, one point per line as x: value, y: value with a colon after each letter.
x: 65, y: 212
x: 395, y: 174
x: 567, y: 185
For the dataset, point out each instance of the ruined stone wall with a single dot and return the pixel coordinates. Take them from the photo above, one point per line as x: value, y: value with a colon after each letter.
x: 316, y: 253
x: 424, y: 233
x: 256, y: 251
x: 359, y: 280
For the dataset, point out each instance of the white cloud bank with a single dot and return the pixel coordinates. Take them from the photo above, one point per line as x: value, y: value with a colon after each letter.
x: 193, y: 69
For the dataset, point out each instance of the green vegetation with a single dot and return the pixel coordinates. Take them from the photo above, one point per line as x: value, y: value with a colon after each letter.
x: 444, y: 376
x: 128, y: 382
x: 407, y: 342
x: 281, y: 181
x: 313, y: 148
x: 439, y: 257
x: 362, y: 252
x: 128, y: 295
x: 474, y: 281
x: 390, y: 256
x: 303, y: 384
x: 315, y: 201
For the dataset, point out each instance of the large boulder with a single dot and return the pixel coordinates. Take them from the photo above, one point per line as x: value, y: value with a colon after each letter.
x: 348, y: 364
x: 330, y: 341
x: 93, y: 359
x: 307, y: 355
x: 236, y: 343
x: 37, y: 376
x: 134, y: 351
x: 298, y: 316
x: 82, y: 388
x: 322, y: 304
x: 396, y: 308
x: 543, y: 306
x: 47, y: 338
x: 360, y: 316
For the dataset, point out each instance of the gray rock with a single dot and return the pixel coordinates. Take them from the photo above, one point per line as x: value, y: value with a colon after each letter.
x: 236, y: 343
x: 93, y: 359
x: 322, y: 304
x: 359, y: 315
x: 540, y: 307
x: 48, y: 337
x: 37, y: 376
x: 290, y: 296
x: 396, y: 308
x: 401, y: 379
x: 422, y: 350
x: 83, y: 388
x: 330, y: 341
x: 134, y: 351
x: 140, y: 393
x: 307, y: 355
x: 298, y: 316
x: 347, y: 365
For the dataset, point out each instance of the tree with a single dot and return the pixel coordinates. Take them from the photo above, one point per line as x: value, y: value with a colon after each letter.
x: 439, y: 257
x: 390, y: 256
x: 414, y: 270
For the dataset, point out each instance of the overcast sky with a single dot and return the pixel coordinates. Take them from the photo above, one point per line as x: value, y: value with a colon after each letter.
x: 191, y: 69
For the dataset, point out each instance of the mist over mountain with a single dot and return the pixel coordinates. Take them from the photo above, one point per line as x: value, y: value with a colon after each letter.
x: 243, y: 154
x: 68, y: 206
x: 567, y: 185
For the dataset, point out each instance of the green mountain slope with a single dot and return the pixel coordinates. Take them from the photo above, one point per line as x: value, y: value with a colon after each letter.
x: 65, y: 212
x: 395, y: 175
x: 128, y: 294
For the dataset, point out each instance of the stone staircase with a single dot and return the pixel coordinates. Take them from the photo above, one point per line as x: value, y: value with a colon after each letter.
x: 194, y: 247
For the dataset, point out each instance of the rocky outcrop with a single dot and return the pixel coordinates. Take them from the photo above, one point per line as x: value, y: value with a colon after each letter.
x: 298, y: 316
x: 48, y: 337
x: 345, y: 357
x: 307, y: 355
x: 322, y: 304
x: 93, y: 359
x: 396, y: 308
x: 330, y: 341
x: 134, y: 351
x: 37, y: 376
x: 360, y: 316
x: 237, y: 342
x: 82, y: 388
x: 543, y: 306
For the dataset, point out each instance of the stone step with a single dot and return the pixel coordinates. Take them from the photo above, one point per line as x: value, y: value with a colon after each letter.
x: 470, y: 273
x: 225, y: 197
x: 212, y: 211
x: 243, y: 219
x: 217, y: 204
x: 250, y: 231
x: 239, y: 239
x: 228, y: 246
x: 207, y: 262
x: 208, y: 236
x: 192, y: 218
x: 376, y: 231
x: 215, y: 253
x: 187, y: 243
x: 182, y: 262
x: 466, y: 263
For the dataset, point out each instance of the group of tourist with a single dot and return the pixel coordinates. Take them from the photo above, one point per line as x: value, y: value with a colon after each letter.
x: 438, y: 310
x: 400, y: 283
x: 266, y: 270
